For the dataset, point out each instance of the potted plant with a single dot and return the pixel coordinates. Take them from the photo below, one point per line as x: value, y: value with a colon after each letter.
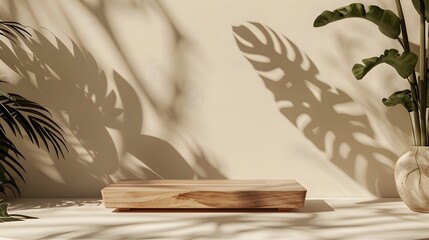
x: 23, y: 118
x: 412, y: 168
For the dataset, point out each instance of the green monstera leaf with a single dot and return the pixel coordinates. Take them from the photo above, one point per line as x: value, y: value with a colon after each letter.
x: 404, y: 64
x: 416, y: 4
x: 387, y: 21
x: 400, y: 97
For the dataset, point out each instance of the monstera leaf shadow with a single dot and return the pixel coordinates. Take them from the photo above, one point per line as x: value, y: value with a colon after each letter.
x: 311, y: 104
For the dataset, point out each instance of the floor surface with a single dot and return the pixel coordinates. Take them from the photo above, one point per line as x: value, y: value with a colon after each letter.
x: 320, y: 219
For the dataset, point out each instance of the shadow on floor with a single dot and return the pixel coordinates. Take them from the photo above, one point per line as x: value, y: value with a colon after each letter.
x: 311, y: 206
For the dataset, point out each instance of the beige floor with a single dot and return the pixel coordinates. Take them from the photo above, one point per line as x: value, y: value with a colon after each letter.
x: 319, y: 219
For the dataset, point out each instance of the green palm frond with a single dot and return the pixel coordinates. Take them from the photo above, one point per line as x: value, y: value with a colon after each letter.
x: 21, y: 114
x: 25, y: 119
x: 11, y: 161
x: 24, y: 116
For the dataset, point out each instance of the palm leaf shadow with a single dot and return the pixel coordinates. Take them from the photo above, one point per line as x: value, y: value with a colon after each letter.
x: 88, y: 106
x: 73, y: 78
x: 169, y: 112
x: 103, y: 109
x: 310, y: 105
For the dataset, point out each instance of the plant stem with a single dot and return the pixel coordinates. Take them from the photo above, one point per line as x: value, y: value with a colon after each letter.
x: 413, y: 84
x: 412, y: 128
x: 426, y: 77
x: 423, y: 80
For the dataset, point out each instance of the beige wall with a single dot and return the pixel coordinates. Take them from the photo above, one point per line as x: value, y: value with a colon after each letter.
x: 168, y: 89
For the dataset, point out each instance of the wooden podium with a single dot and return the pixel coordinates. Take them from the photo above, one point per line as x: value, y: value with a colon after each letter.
x: 204, y: 194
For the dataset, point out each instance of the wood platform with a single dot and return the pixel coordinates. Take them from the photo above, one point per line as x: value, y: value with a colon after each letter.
x: 204, y: 194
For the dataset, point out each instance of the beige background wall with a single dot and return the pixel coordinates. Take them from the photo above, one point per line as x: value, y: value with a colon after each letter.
x: 201, y: 89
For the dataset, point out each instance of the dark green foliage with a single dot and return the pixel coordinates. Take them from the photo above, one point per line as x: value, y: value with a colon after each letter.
x: 386, y: 20
x: 4, y: 215
x: 400, y: 97
x: 404, y: 63
x: 25, y: 119
x: 416, y: 4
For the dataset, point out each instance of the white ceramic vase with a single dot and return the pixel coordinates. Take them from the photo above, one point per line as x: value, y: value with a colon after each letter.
x: 412, y: 178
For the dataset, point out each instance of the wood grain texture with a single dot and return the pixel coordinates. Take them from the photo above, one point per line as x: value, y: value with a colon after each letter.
x: 278, y: 194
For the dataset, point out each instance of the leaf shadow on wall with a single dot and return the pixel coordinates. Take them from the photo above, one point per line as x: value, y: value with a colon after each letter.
x: 170, y: 113
x: 311, y: 105
x: 71, y: 84
x: 87, y: 108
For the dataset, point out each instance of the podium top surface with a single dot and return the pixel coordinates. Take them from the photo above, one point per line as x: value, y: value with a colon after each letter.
x: 208, y: 185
